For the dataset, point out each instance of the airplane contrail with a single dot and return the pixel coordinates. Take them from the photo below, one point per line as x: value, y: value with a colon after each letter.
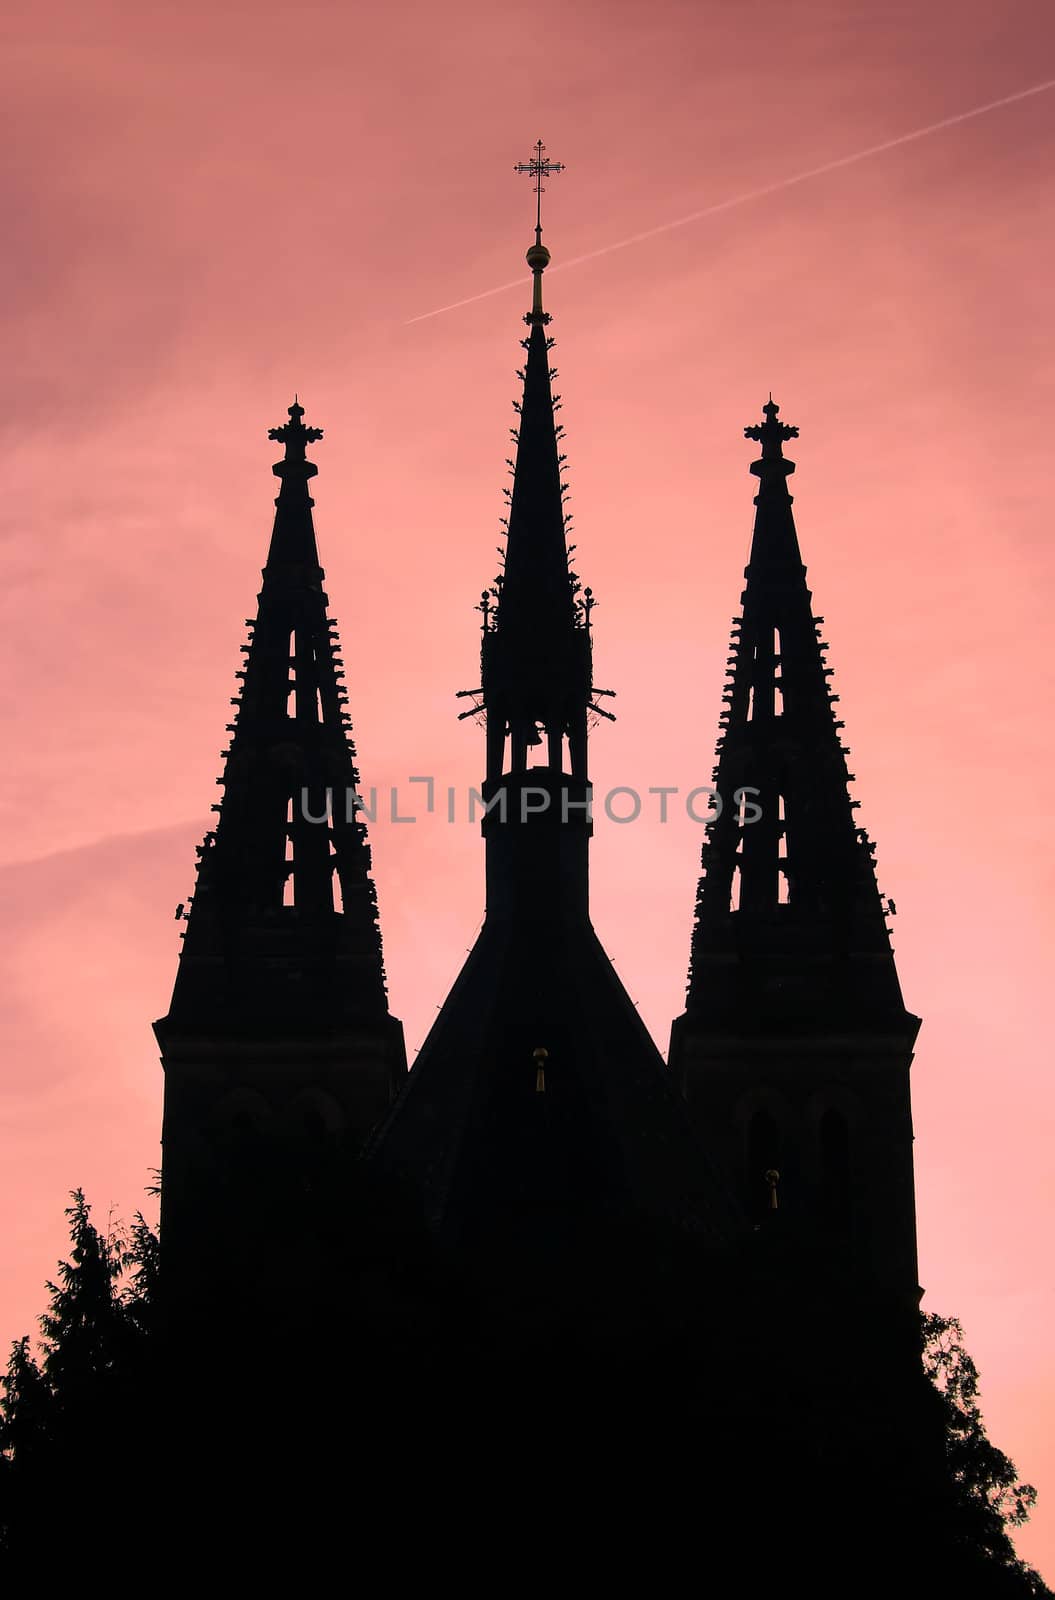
x: 751, y: 194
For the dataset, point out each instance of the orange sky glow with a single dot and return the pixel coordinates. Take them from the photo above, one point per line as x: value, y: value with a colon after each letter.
x: 210, y: 206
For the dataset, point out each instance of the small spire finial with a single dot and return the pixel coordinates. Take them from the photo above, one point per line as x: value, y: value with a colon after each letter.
x: 538, y: 257
x: 296, y: 437
x: 771, y: 434
x: 293, y: 434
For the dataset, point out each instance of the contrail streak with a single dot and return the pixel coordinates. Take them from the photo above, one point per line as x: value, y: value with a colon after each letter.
x: 751, y: 194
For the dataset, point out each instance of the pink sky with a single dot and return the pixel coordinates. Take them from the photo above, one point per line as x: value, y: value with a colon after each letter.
x: 207, y: 207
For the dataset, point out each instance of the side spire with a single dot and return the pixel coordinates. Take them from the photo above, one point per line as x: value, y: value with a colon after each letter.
x: 279, y: 1049
x: 786, y: 861
x: 795, y: 1045
x: 282, y: 928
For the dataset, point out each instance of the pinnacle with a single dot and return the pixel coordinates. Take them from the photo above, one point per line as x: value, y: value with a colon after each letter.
x: 797, y: 882
x: 285, y: 912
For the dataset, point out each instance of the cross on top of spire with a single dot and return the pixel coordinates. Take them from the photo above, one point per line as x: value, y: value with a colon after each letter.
x: 773, y: 466
x: 539, y: 167
x: 771, y: 433
x: 293, y: 434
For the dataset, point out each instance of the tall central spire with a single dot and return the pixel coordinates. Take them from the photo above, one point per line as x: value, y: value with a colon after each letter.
x: 537, y: 679
x: 539, y: 1110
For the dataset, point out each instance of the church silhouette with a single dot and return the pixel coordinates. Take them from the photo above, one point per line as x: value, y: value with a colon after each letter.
x: 546, y: 1283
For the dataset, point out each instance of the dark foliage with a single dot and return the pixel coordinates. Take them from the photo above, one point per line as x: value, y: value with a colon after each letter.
x: 71, y: 1414
x: 80, y: 1435
x: 988, y: 1499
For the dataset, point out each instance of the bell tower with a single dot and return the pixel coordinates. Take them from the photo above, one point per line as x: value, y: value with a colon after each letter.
x: 279, y: 1049
x: 539, y: 1112
x: 794, y: 1048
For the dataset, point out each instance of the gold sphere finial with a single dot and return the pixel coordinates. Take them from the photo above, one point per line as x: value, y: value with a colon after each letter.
x: 537, y: 257
x: 538, y: 260
x: 539, y: 167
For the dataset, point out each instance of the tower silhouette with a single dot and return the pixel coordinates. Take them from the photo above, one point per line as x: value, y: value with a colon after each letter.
x: 279, y: 1049
x: 793, y: 1055
x: 794, y: 1048
x: 543, y: 1221
x: 539, y: 1106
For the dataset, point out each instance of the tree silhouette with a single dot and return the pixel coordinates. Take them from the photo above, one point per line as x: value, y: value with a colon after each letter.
x: 72, y: 1414
x: 78, y: 1417
x: 987, y: 1498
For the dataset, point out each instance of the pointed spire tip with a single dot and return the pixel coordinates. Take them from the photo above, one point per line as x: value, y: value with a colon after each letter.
x: 538, y: 257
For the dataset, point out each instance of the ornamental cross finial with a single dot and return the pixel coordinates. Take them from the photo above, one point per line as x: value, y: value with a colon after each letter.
x: 773, y: 466
x: 293, y: 434
x: 771, y: 433
x: 539, y: 167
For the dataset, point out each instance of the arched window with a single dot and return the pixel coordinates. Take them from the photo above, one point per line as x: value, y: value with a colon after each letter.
x: 241, y: 1119
x: 835, y: 1168
x: 315, y: 1117
x: 778, y: 685
x: 763, y: 1157
x: 783, y: 878
x: 291, y: 676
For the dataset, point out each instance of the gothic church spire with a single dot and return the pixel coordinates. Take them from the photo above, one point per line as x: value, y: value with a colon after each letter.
x: 279, y: 1050
x: 795, y: 1044
x: 788, y: 892
x: 539, y: 1113
x: 282, y: 928
x: 537, y: 679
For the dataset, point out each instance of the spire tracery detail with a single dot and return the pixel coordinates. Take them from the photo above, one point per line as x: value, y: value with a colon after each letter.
x: 793, y: 879
x: 284, y: 912
x: 537, y: 680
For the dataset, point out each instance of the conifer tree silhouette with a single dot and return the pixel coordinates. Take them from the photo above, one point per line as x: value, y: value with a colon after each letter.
x: 78, y: 1413
x: 78, y: 1421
